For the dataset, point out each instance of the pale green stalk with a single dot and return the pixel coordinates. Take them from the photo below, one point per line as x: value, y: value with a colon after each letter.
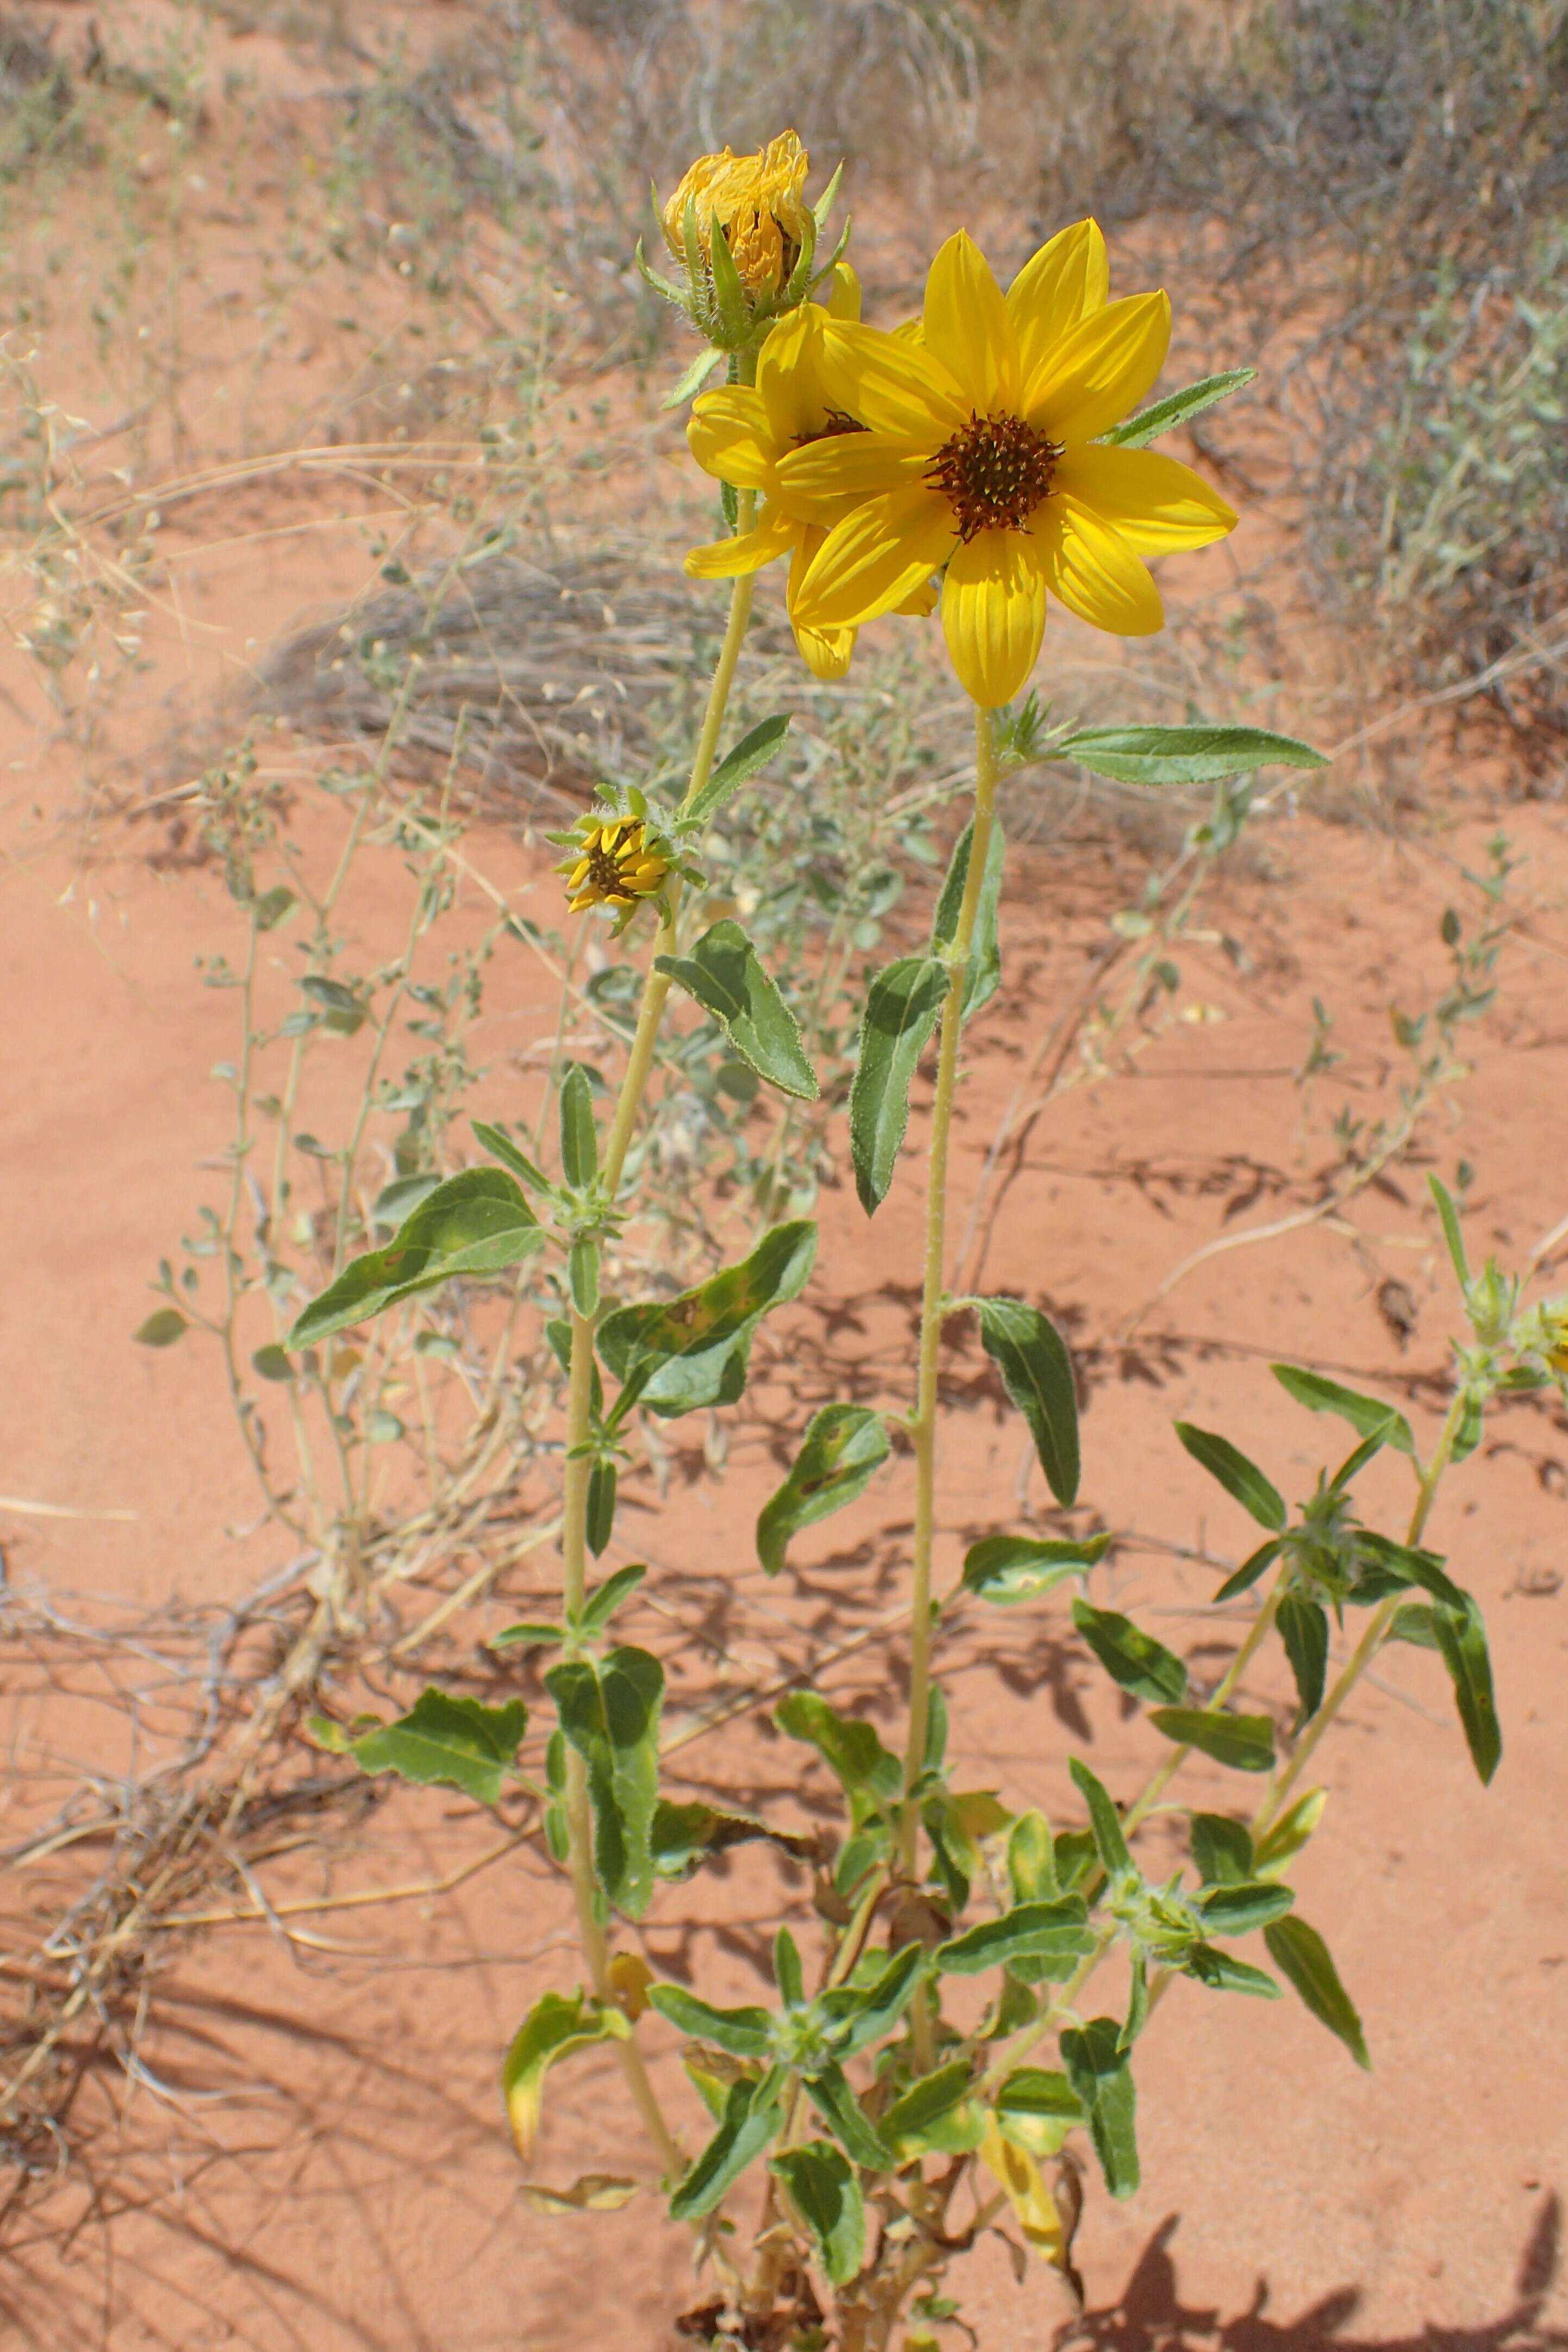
x: 933, y: 1300
x: 580, y: 1381
x: 987, y: 775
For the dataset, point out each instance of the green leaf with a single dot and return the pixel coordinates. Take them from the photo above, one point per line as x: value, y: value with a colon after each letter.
x: 1104, y: 1821
x: 826, y: 2196
x: 926, y: 2101
x: 557, y: 2024
x: 754, y: 752
x: 831, y: 2094
x: 1251, y: 1569
x: 610, y: 1712
x: 862, y: 2014
x: 583, y: 1276
x: 1462, y: 1639
x: 1406, y: 1564
x: 1290, y: 1833
x: 695, y: 375
x: 460, y: 1742
x: 1007, y: 1569
x: 579, y: 1137
x: 594, y: 2193
x: 1101, y: 2073
x: 1416, y: 1624
x: 1222, y: 1849
x: 901, y: 1010
x: 729, y: 292
x: 752, y: 2115
x: 162, y: 1328
x: 500, y: 1145
x: 1235, y: 1473
x: 269, y: 909
x: 1367, y: 1415
x: 600, y: 1510
x: 1177, y: 408
x: 1135, y: 1660
x: 1236, y: 1910
x: 477, y: 1222
x: 1451, y: 1232
x: 1031, y: 1931
x: 1036, y: 1372
x: 843, y: 1448
x: 271, y: 1364
x: 682, y: 1836
x: 724, y: 976
x: 603, y: 1601
x: 983, y: 974
x: 1302, y: 1958
x: 850, y: 1749
x: 1036, y: 2108
x: 1031, y: 1860
x: 532, y: 1633
x: 1244, y: 1742
x: 1222, y: 1972
x: 1183, y: 755
x: 1304, y: 1630
x: 743, y: 2033
x: 690, y: 1350
x: 1138, y: 2003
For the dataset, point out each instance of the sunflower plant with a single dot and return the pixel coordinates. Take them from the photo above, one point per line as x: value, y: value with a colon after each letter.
x: 938, y: 2065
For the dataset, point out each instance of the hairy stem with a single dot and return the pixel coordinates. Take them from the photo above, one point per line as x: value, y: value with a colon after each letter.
x: 578, y: 1468
x: 932, y: 1299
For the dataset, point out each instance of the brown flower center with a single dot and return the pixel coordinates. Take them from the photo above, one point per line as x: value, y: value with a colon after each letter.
x: 837, y: 423
x: 994, y: 473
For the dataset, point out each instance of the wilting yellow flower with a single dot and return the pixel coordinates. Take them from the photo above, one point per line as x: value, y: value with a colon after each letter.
x: 981, y: 456
x: 613, y: 866
x: 743, y: 434
x: 758, y: 202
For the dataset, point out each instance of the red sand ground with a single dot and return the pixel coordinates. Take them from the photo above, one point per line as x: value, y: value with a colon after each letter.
x: 345, y: 2183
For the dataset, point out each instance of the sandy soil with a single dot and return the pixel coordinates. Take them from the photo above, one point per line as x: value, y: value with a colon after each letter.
x: 315, y: 2156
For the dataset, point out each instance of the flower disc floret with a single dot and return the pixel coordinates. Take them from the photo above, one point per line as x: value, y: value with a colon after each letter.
x: 994, y: 473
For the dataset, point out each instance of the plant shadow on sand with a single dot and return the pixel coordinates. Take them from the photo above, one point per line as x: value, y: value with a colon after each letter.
x: 1149, y: 2315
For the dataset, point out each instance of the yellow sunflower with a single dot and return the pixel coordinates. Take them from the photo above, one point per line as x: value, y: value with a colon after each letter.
x: 981, y: 455
x: 742, y: 433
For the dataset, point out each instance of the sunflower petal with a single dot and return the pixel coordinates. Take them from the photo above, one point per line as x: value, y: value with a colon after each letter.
x: 1056, y: 288
x: 993, y: 614
x: 1156, y: 502
x: 723, y: 559
x: 890, y: 384
x: 1101, y: 369
x: 789, y: 377
x: 874, y: 558
x: 967, y: 328
x: 731, y: 436
x: 827, y: 478
x: 1092, y: 570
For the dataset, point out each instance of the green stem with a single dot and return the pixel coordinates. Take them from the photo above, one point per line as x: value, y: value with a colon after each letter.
x: 987, y: 775
x: 580, y: 1385
x: 656, y: 988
